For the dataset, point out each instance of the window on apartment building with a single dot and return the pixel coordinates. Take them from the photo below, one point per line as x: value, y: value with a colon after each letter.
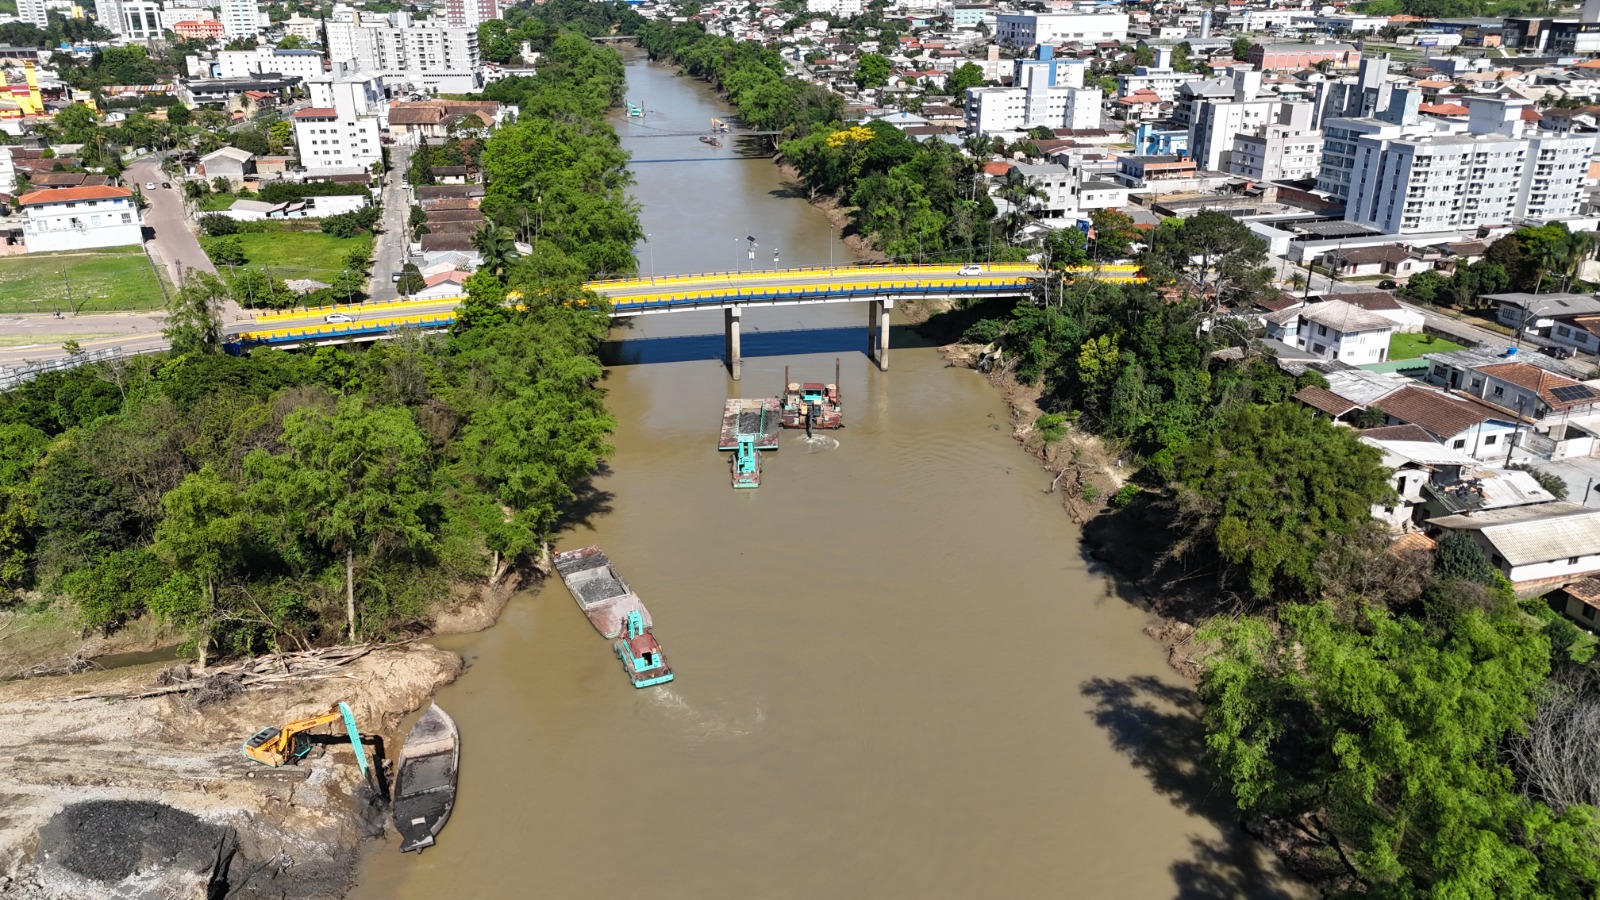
x: 1458, y: 444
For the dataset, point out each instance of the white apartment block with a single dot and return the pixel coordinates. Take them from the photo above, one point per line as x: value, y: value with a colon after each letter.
x: 1023, y: 30
x: 303, y: 64
x: 470, y: 13
x: 834, y: 7
x: 428, y: 54
x: 133, y: 20
x: 1264, y: 19
x: 991, y: 110
x: 1461, y: 181
x: 240, y: 18
x: 1163, y: 82
x: 1340, y: 140
x: 80, y: 217
x: 1070, y: 192
x: 343, y: 125
x: 1279, y: 153
x: 33, y: 12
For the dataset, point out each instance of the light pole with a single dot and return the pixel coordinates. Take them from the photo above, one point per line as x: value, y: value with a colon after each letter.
x: 651, y: 244
x: 1523, y: 325
x: 752, y: 250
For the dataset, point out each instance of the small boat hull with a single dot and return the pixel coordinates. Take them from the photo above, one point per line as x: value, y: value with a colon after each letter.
x: 425, y: 783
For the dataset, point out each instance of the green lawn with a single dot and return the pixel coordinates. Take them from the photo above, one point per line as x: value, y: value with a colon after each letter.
x: 115, y: 278
x: 1412, y: 346
x: 216, y: 202
x: 299, y: 254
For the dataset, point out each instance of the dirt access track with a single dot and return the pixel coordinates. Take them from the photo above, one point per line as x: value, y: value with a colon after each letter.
x: 152, y: 798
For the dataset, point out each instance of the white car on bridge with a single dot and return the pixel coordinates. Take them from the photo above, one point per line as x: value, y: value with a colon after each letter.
x: 971, y: 269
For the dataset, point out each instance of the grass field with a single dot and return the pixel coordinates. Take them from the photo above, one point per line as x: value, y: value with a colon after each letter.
x: 1412, y: 346
x: 107, y: 280
x: 299, y: 254
x: 216, y: 202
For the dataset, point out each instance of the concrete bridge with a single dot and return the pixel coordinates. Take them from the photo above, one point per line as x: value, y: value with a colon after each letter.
x: 878, y: 286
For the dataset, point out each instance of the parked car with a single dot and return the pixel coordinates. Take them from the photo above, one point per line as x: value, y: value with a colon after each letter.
x: 166, y: 185
x: 149, y: 185
x: 1387, y: 285
x: 394, y: 277
x: 1557, y: 351
x: 337, y: 318
x: 971, y: 270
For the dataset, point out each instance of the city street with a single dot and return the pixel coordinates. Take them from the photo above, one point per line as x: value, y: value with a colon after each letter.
x: 174, y: 244
x: 390, y: 251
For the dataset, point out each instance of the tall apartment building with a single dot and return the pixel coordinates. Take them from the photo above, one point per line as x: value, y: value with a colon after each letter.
x: 342, y: 127
x: 1023, y: 30
x: 1490, y: 175
x: 240, y: 18
x: 428, y: 54
x: 1281, y: 152
x: 472, y: 13
x: 133, y: 20
x: 1047, y: 92
x: 33, y: 12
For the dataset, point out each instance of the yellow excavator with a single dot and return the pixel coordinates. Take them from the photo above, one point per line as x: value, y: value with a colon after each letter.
x: 287, y: 743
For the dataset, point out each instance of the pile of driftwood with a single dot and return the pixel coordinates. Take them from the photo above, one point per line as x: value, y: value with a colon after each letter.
x: 66, y: 665
x: 213, y: 683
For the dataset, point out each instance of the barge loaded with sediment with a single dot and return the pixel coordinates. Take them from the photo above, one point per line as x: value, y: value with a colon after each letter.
x: 812, y: 405
x: 757, y: 418
x: 425, y: 788
x: 601, y: 593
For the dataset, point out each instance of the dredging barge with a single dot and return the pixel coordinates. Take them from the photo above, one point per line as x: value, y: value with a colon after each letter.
x: 601, y: 593
x: 759, y: 419
x: 812, y: 405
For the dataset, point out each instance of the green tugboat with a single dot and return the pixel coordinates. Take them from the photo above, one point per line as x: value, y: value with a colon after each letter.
x: 746, y: 463
x: 641, y: 656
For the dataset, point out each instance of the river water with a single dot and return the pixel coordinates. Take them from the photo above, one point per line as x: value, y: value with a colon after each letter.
x: 896, y: 675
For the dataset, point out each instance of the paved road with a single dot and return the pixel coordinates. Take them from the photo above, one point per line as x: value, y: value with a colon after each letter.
x: 175, y: 244
x: 390, y: 250
x: 130, y: 331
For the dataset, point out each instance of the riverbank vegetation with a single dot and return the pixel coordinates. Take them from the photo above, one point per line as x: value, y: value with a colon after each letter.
x: 287, y: 499
x: 1376, y: 714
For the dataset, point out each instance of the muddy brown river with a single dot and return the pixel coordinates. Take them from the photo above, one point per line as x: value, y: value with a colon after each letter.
x: 897, y: 677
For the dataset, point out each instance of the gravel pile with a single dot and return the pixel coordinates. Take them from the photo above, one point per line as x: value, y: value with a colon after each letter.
x: 110, y: 840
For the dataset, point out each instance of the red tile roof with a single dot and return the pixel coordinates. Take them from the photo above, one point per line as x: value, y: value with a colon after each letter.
x: 1444, y: 109
x: 63, y: 195
x: 1398, y: 433
x: 1441, y: 415
x: 1537, y: 380
x: 1325, y: 400
x: 316, y: 112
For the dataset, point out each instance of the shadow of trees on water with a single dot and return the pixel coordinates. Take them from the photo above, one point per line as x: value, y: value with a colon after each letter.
x: 1157, y: 726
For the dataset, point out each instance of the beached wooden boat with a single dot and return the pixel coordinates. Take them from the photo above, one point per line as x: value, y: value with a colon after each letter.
x: 425, y: 786
x: 601, y: 593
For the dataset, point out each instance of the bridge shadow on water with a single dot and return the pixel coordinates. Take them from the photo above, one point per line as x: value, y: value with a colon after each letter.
x: 1156, y: 724
x: 782, y: 342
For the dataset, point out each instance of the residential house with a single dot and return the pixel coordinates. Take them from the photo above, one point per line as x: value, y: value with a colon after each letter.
x: 1539, y: 547
x: 1415, y: 459
x: 78, y: 218
x: 1334, y: 330
x: 1390, y: 259
x: 1406, y: 321
x: 1460, y: 423
x: 1580, y: 602
x: 1536, y: 313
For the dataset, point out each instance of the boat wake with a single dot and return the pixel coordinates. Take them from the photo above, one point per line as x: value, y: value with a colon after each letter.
x: 704, y: 725
x: 819, y: 443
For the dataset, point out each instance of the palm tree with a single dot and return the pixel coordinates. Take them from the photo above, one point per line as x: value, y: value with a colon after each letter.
x: 1580, y: 247
x: 495, y: 245
x: 1021, y: 194
x: 977, y: 147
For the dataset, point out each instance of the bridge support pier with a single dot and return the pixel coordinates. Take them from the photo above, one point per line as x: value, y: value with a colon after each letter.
x: 878, y: 332
x: 730, y: 328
